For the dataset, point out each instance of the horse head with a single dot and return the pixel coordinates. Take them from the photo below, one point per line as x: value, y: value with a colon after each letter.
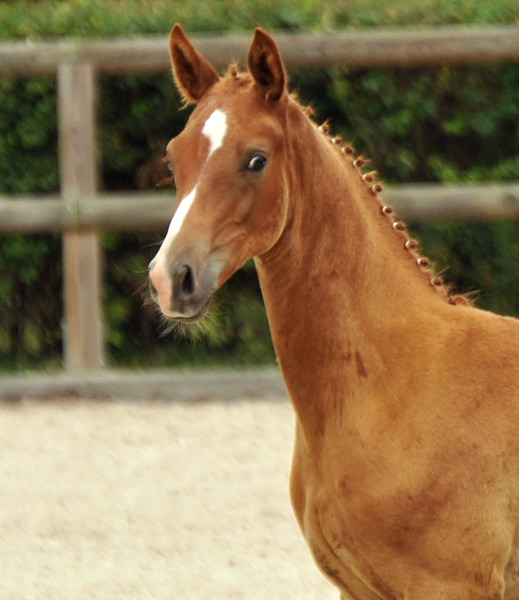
x: 229, y: 166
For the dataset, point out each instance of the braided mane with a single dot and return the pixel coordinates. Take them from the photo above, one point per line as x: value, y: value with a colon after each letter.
x: 374, y: 187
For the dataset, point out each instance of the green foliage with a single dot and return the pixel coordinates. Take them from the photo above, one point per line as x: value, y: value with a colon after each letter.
x: 30, y: 301
x: 437, y: 124
x: 28, y: 136
x: 30, y: 278
x: 98, y: 18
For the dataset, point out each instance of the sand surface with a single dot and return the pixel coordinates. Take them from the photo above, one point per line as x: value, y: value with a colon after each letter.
x: 129, y: 499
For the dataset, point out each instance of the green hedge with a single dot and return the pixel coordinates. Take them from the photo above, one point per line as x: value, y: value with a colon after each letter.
x: 437, y: 124
x: 101, y: 18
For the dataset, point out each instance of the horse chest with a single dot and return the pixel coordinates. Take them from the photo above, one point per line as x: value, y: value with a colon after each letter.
x: 339, y: 550
x: 334, y: 528
x: 377, y: 534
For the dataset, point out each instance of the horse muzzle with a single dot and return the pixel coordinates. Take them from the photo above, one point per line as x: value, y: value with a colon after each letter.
x: 183, y: 288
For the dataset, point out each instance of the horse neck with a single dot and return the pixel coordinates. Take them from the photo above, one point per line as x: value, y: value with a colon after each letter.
x: 343, y: 296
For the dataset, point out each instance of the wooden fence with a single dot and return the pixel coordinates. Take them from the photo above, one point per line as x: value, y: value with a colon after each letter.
x: 81, y: 211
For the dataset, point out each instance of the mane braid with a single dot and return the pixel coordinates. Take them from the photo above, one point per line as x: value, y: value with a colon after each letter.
x: 411, y: 246
x: 234, y: 72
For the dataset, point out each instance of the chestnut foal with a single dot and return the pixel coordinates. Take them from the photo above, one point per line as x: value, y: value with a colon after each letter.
x: 405, y: 476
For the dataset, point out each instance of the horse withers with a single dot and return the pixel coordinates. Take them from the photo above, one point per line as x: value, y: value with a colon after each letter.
x: 405, y: 476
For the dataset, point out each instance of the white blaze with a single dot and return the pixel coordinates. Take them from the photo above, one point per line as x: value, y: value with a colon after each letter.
x: 176, y: 224
x: 180, y: 214
x: 215, y: 129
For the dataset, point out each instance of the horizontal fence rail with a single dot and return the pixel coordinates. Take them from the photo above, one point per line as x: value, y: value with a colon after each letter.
x: 150, y: 385
x: 150, y: 211
x: 367, y: 48
x: 80, y: 212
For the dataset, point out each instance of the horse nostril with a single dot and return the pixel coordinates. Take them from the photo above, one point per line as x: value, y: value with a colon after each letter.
x: 187, y: 288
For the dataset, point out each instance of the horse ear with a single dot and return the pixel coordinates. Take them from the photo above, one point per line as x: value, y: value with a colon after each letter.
x: 194, y: 74
x: 266, y: 66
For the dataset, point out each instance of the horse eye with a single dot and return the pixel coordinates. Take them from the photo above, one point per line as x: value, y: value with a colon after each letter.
x: 165, y: 161
x: 257, y: 163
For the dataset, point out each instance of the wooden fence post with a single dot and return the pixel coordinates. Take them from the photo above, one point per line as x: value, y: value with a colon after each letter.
x: 83, y: 335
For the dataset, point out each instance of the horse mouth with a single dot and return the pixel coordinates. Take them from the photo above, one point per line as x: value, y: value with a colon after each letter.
x: 197, y: 316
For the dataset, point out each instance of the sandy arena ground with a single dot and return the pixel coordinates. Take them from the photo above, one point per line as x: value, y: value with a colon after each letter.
x: 150, y: 500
